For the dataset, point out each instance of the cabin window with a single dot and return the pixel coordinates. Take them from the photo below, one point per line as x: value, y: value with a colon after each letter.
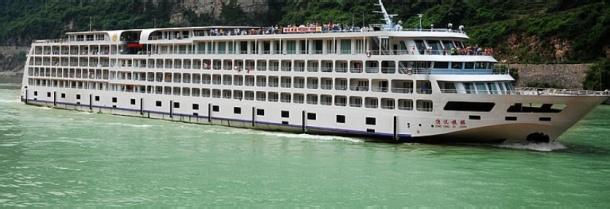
x: 340, y: 101
x: 536, y: 108
x: 260, y: 112
x: 158, y: 104
x: 215, y: 108
x: 133, y: 101
x: 421, y: 46
x: 176, y: 105
x: 469, y: 65
x: 448, y: 44
x: 474, y: 117
x: 545, y: 119
x: 457, y: 65
x: 492, y: 88
x: 441, y: 65
x: 405, y: 104
x: 447, y: 87
x: 237, y: 110
x: 97, y: 98
x: 424, y: 87
x: 424, y: 105
x: 435, y: 45
x: 311, y: 116
x: 371, y: 121
x: 340, y: 119
x: 469, y: 88
x: 195, y: 106
x: 285, y: 114
x: 481, y: 88
x: 469, y: 106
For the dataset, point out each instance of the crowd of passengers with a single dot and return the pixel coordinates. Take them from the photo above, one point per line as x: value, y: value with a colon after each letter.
x: 468, y: 50
x: 278, y: 30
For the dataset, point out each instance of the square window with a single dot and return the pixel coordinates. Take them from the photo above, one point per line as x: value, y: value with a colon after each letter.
x: 311, y: 116
x: 474, y: 117
x: 114, y: 99
x: 159, y: 104
x: 176, y: 104
x: 371, y: 121
x: 195, y: 106
x: 260, y: 112
x: 35, y: 93
x: 97, y: 98
x: 133, y: 101
x: 63, y: 95
x: 216, y: 108
x: 78, y: 96
x: 285, y: 114
x: 340, y: 118
x: 48, y: 94
x: 237, y: 110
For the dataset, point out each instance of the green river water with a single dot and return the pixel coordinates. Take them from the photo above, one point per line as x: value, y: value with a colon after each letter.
x: 68, y: 159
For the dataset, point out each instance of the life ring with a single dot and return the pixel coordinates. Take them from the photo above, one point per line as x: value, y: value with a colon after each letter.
x: 368, y: 53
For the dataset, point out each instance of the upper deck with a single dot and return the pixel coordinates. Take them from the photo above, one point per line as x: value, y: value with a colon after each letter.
x: 195, y: 34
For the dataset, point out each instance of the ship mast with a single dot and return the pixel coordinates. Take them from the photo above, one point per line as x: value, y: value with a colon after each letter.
x: 389, y: 25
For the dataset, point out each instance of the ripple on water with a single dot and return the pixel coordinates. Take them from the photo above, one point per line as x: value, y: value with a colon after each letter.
x: 541, y: 147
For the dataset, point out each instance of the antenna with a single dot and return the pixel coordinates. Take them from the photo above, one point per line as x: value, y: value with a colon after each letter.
x: 420, y: 18
x: 90, y: 24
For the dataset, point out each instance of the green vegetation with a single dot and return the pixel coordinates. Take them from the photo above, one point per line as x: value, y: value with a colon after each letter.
x: 523, y: 31
x: 598, y: 76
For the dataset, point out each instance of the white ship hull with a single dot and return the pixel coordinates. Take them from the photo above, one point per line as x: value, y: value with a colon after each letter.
x: 409, y: 126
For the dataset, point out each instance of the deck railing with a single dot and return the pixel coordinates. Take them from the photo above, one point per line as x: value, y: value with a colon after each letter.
x: 533, y: 92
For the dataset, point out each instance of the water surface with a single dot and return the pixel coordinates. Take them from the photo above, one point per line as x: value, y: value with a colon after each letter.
x: 67, y: 159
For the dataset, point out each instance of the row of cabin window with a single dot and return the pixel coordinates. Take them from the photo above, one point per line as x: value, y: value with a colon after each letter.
x: 68, y: 84
x: 354, y: 84
x: 397, y: 86
x: 355, y: 66
x: 69, y: 73
x: 285, y: 114
x: 340, y: 66
x: 298, y: 98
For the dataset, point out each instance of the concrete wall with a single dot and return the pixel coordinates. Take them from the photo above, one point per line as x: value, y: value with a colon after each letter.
x: 566, y: 76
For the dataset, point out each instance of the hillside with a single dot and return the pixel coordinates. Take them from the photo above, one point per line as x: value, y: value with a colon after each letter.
x: 535, y: 31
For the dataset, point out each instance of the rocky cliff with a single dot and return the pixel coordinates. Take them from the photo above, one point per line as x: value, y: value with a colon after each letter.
x: 12, y: 61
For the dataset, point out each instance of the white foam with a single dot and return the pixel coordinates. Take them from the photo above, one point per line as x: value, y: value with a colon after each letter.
x: 9, y: 101
x: 308, y: 136
x: 131, y: 125
x: 541, y: 147
x: 232, y: 131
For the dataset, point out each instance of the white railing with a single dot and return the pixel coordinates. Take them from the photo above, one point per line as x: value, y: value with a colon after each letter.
x: 532, y: 92
x: 559, y: 92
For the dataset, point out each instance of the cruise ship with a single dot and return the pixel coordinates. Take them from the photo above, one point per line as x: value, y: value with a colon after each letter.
x: 380, y: 82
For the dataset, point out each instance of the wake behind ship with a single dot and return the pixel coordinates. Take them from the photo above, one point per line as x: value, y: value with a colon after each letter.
x: 381, y: 81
